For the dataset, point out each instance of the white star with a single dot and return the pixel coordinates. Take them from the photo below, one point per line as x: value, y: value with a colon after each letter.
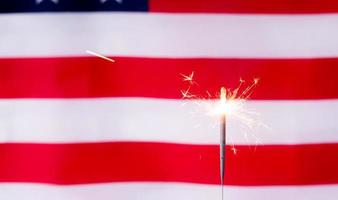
x: 118, y: 1
x: 40, y: 1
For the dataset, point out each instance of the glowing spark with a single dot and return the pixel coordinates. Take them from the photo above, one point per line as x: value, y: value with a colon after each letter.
x: 186, y: 94
x: 189, y: 78
x: 100, y: 56
x: 248, y: 90
x: 241, y: 82
x: 233, y: 149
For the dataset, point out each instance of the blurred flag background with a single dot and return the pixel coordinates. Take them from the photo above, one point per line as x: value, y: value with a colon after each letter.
x: 77, y: 127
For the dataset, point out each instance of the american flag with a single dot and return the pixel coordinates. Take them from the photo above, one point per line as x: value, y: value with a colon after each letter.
x: 77, y: 127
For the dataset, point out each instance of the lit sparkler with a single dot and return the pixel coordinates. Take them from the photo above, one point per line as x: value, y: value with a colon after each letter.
x: 230, y: 103
x: 223, y: 136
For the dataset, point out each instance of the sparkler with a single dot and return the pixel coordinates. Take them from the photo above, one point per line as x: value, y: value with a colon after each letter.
x: 222, y: 138
x: 229, y: 103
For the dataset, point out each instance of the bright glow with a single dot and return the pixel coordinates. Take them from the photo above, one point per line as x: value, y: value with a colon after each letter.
x: 229, y: 102
x: 223, y: 95
x: 226, y: 107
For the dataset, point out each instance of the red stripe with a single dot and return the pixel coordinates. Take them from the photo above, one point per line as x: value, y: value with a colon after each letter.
x: 116, y: 162
x: 160, y: 78
x: 245, y: 6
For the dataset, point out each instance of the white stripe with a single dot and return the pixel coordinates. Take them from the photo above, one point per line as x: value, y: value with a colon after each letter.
x: 169, y: 35
x: 163, y: 191
x: 136, y: 119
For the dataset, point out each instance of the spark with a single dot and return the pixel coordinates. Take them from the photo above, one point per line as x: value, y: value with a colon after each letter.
x: 208, y: 93
x: 99, y: 55
x: 189, y: 78
x: 235, y: 92
x: 234, y: 150
x: 186, y: 94
x: 247, y: 92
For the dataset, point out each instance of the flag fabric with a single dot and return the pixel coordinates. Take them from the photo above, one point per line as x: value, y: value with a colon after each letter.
x: 77, y: 127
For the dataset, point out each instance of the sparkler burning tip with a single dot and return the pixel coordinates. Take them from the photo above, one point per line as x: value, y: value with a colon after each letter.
x: 100, y: 56
x: 223, y: 94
